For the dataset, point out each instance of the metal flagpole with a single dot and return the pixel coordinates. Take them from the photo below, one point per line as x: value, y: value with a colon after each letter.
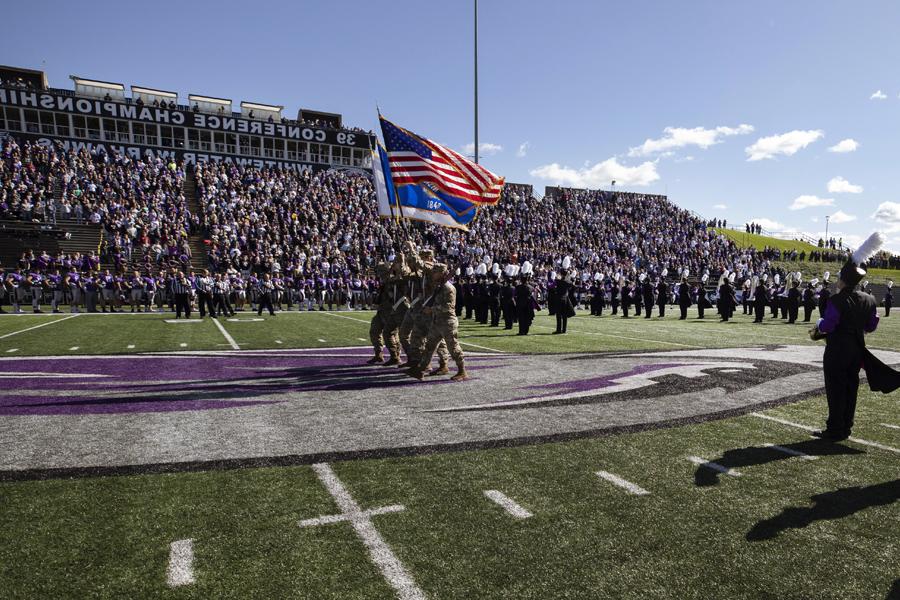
x: 476, y: 81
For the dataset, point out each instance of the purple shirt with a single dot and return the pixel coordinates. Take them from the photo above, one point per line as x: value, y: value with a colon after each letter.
x: 832, y: 317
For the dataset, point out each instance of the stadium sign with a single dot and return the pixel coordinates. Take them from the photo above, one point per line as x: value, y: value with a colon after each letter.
x: 188, y: 156
x: 325, y: 404
x: 166, y: 116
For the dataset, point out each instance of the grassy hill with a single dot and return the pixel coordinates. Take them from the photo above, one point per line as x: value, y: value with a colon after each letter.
x: 744, y: 239
x: 809, y: 269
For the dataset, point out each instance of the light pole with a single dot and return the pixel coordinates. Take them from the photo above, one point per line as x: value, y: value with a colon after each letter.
x: 827, y: 218
x: 476, y: 82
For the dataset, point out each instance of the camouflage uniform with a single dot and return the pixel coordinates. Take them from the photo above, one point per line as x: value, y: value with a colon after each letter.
x: 416, y: 323
x: 378, y: 329
x: 444, y: 327
x: 396, y: 311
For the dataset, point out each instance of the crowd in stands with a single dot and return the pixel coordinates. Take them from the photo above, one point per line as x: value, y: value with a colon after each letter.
x: 321, y: 231
x: 17, y: 82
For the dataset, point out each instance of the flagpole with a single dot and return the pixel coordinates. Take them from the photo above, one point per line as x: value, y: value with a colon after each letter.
x: 476, y: 82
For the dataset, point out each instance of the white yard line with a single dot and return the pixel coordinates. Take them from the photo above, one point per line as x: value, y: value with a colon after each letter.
x: 507, y: 503
x: 183, y: 345
x: 328, y: 519
x: 380, y: 553
x: 782, y: 421
x: 362, y: 339
x: 624, y: 337
x: 278, y: 342
x: 808, y: 428
x: 702, y: 462
x: 181, y: 563
x: 227, y: 335
x: 626, y: 485
x: 481, y: 347
x: 38, y: 326
x: 12, y: 350
x: 889, y: 426
x: 321, y: 341
x: 130, y: 346
x: 790, y: 451
x: 331, y: 314
x: 73, y: 348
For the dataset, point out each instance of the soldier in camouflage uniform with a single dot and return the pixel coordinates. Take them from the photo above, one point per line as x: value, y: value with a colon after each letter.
x: 421, y: 322
x: 396, y: 311
x: 444, y: 325
x: 378, y: 330
x: 414, y: 286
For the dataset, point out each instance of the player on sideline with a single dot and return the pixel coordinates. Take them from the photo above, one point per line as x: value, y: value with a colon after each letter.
x: 850, y: 314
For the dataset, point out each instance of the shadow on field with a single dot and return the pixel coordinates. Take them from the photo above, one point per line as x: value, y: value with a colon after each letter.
x: 894, y: 593
x: 258, y: 387
x: 760, y: 455
x: 828, y: 506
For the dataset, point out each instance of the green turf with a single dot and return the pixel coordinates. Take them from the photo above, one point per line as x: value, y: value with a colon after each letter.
x: 761, y: 535
x: 109, y: 537
x: 744, y: 239
x: 112, y: 334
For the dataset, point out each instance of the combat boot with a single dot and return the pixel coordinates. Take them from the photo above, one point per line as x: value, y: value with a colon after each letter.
x: 394, y: 361
x: 461, y: 374
x: 441, y: 370
x: 416, y: 373
x: 375, y: 359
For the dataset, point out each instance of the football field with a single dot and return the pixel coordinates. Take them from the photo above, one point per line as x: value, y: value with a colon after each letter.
x: 260, y: 458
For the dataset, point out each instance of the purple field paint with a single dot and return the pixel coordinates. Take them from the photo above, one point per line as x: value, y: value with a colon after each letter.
x: 157, y: 383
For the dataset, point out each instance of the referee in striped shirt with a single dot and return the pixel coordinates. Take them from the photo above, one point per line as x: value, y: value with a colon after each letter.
x: 205, y: 295
x: 181, y: 290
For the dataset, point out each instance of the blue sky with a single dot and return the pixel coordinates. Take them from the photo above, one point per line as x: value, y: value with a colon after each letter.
x: 574, y: 92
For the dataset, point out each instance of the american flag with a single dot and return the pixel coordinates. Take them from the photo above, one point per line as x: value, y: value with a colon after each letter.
x: 418, y: 161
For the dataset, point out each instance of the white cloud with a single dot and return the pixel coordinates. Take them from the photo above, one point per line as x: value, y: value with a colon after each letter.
x: 600, y: 174
x: 484, y: 149
x: 843, y: 146
x: 879, y: 95
x: 888, y: 213
x: 680, y: 137
x: 786, y: 143
x: 720, y: 206
x: 523, y: 149
x: 814, y: 219
x: 807, y: 201
x: 839, y: 185
x: 842, y: 217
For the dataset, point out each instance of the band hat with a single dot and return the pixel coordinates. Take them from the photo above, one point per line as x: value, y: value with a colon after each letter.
x: 853, y: 271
